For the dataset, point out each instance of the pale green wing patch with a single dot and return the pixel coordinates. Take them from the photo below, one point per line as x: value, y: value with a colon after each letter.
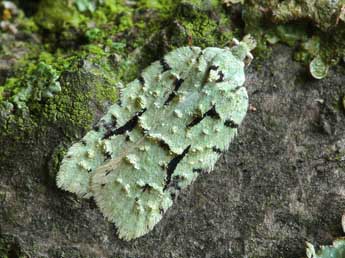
x: 337, y: 250
x: 169, y: 125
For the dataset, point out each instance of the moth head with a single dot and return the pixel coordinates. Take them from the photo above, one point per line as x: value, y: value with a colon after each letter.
x: 242, y: 49
x: 223, y: 67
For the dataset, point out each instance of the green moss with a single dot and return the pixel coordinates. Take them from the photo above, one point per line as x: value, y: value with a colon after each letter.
x: 107, y: 19
x: 69, y: 108
x: 337, y: 250
x: 9, y: 248
x: 201, y: 30
x: 158, y: 5
x: 106, y: 36
x: 289, y: 34
x: 40, y: 82
x: 72, y: 106
x: 26, y: 24
x: 94, y: 34
x: 308, y: 49
x: 57, y: 15
x: 201, y: 23
x: 273, y: 21
x: 323, y: 14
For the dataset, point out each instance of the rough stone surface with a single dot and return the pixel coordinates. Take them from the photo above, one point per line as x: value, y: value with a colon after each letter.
x: 282, y: 182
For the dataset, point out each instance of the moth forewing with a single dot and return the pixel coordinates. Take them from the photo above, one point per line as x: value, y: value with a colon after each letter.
x: 171, y: 124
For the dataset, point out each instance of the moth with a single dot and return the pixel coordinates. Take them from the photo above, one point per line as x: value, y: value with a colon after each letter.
x: 169, y: 124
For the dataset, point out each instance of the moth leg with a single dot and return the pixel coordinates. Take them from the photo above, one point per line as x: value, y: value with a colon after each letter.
x: 249, y: 59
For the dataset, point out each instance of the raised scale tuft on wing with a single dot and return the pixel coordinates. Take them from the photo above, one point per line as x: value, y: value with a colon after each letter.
x: 172, y: 123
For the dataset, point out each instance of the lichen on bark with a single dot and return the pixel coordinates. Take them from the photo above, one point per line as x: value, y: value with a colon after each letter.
x: 316, y: 28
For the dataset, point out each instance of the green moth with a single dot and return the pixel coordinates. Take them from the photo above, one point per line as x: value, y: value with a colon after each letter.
x: 336, y: 250
x: 168, y: 126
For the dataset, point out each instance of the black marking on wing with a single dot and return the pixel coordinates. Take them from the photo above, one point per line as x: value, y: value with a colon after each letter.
x: 236, y: 89
x: 119, y: 102
x: 108, y: 126
x: 165, y: 65
x: 84, y: 195
x: 207, y: 74
x: 96, y: 127
x: 221, y: 76
x: 127, y: 127
x: 164, y: 145
x: 107, y: 156
x: 146, y: 187
x: 145, y: 131
x: 172, y: 166
x: 173, y: 195
x: 177, y: 84
x: 211, y: 113
x: 198, y: 57
x: 213, y: 67
x: 83, y: 142
x: 217, y: 150
x: 141, y: 80
x: 230, y: 123
x: 107, y: 172
x: 197, y: 170
x: 112, y: 123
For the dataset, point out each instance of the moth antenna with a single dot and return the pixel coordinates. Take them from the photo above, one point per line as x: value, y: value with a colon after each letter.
x: 235, y: 41
x: 231, y: 43
x: 250, y: 56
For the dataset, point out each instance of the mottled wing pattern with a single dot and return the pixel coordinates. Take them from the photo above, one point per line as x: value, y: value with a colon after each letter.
x: 169, y: 125
x: 97, y: 146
